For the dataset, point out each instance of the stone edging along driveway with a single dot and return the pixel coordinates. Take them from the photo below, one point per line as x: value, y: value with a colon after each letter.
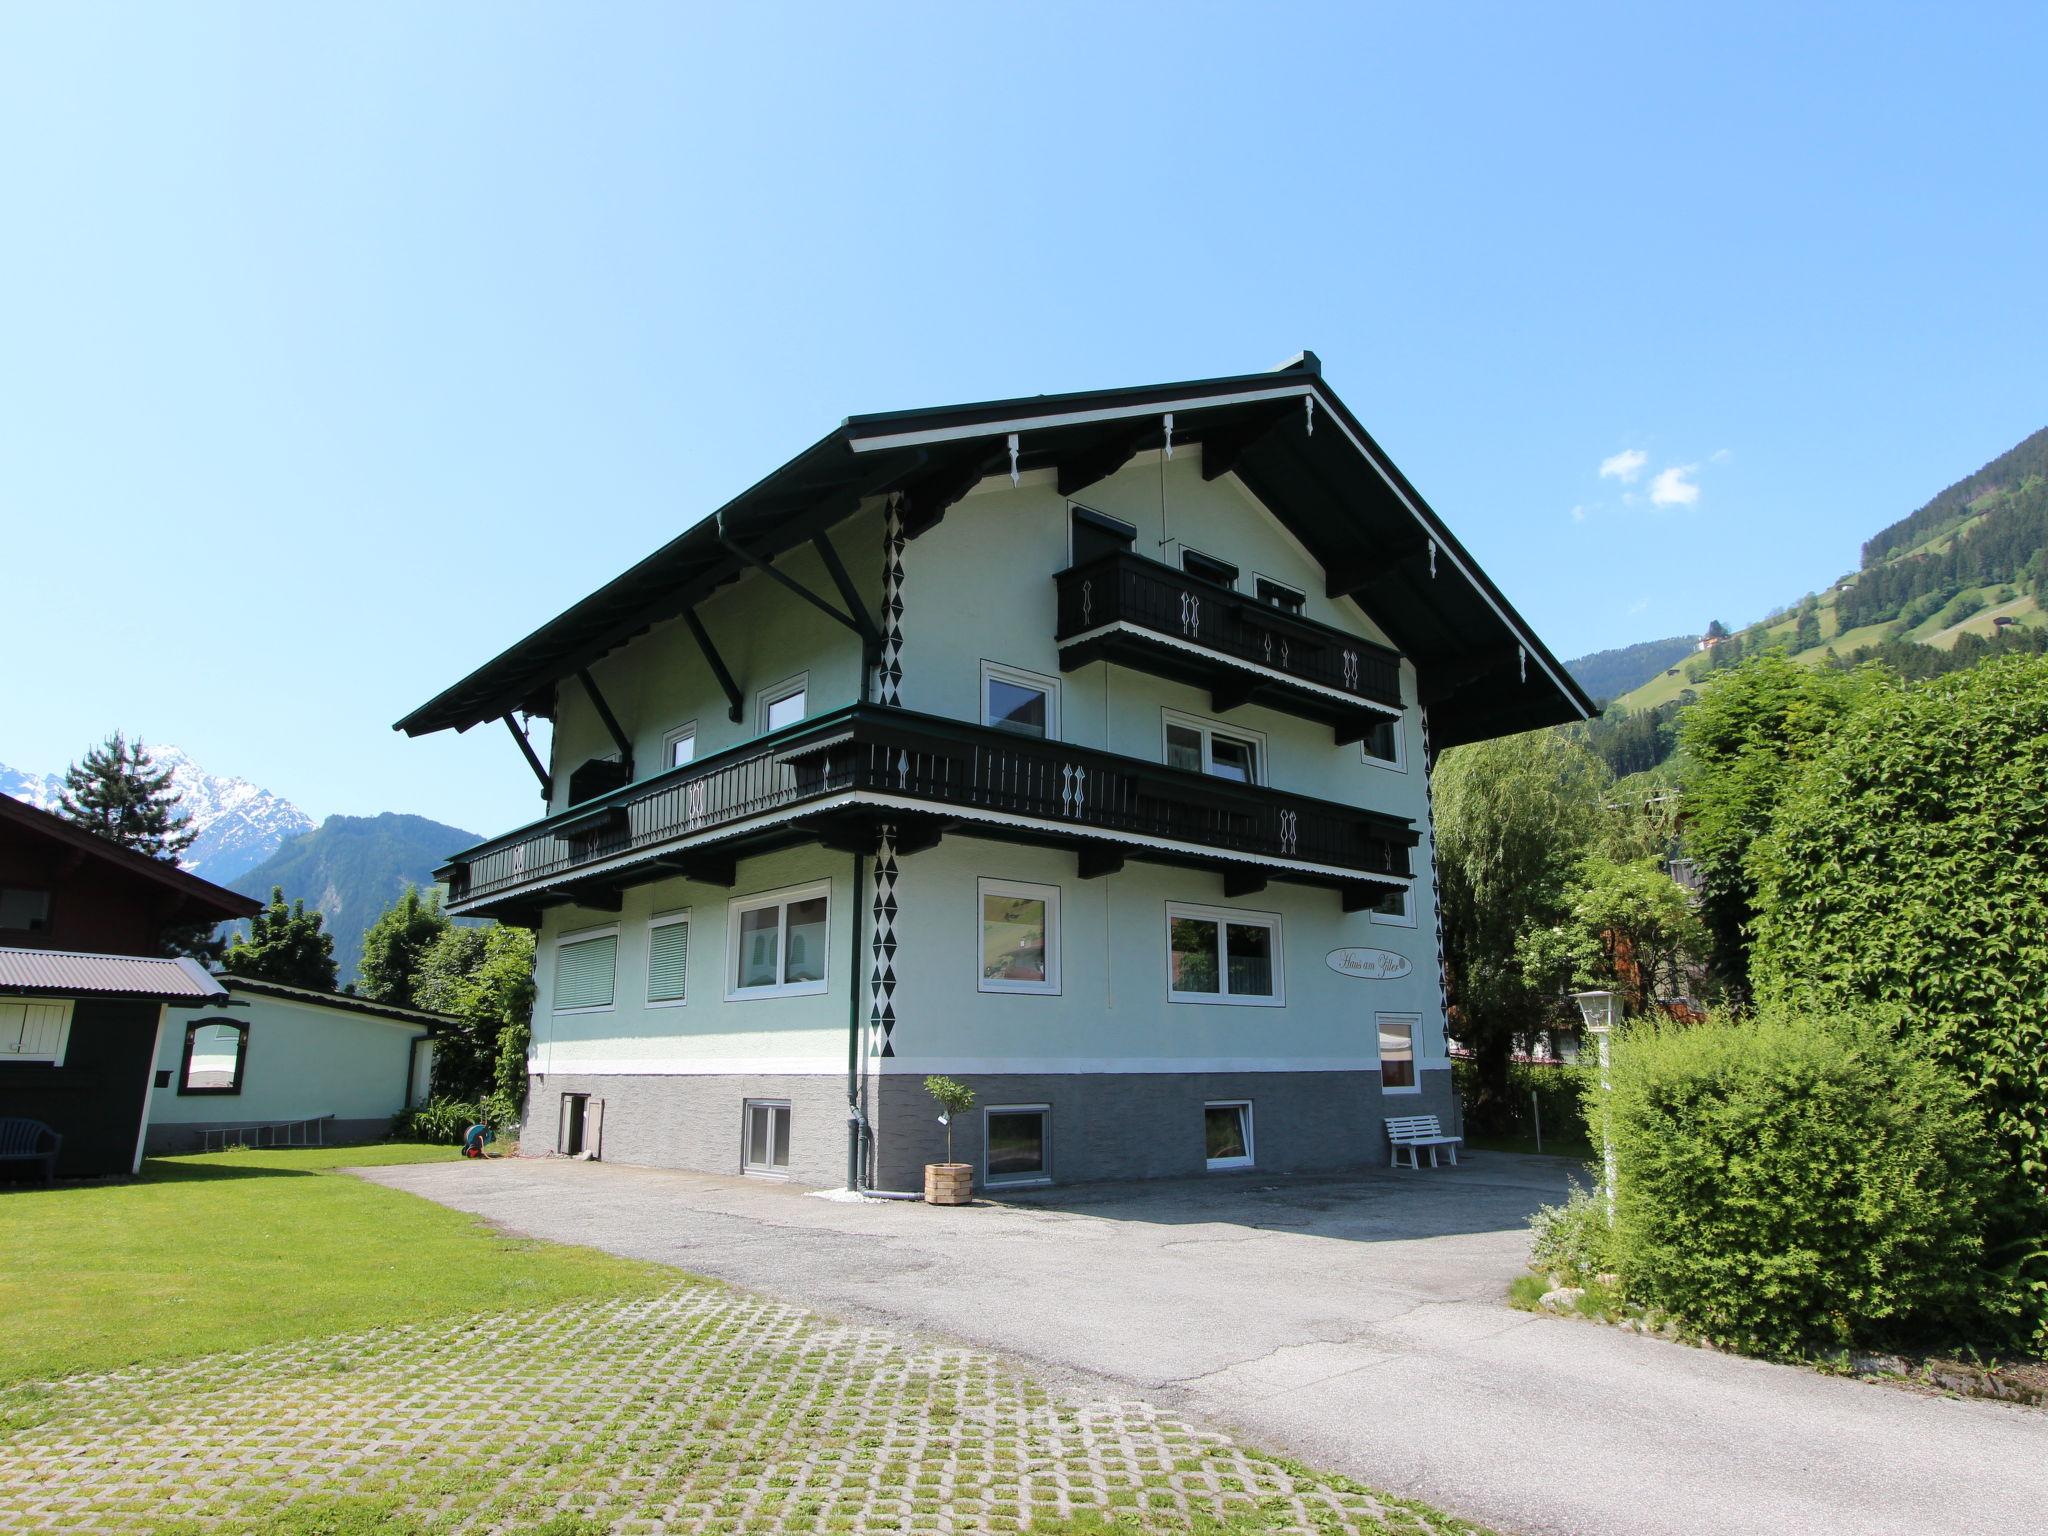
x: 1359, y: 1324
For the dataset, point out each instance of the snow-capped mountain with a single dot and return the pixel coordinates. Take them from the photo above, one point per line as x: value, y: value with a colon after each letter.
x: 240, y: 824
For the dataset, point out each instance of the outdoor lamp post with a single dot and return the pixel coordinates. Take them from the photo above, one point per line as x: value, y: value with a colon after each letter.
x: 1597, y: 1009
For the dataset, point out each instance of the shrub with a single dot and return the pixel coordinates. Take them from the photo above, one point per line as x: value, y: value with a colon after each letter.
x: 1573, y: 1240
x: 1908, y: 866
x: 444, y: 1120
x: 1790, y: 1185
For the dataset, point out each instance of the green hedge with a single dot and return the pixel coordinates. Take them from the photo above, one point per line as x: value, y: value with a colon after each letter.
x: 1559, y: 1093
x: 1789, y: 1185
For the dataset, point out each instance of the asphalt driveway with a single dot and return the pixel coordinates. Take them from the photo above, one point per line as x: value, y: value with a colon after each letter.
x: 1357, y: 1324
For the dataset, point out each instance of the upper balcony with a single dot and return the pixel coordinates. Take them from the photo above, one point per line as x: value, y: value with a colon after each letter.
x: 836, y: 779
x: 1124, y: 608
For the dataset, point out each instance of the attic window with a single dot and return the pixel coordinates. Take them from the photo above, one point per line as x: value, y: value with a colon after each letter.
x: 23, y: 910
x: 1208, y: 568
x: 1096, y: 535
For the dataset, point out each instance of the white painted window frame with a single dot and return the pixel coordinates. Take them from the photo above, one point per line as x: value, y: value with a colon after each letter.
x: 764, y: 1170
x: 776, y: 693
x: 999, y: 671
x: 579, y: 936
x: 1018, y: 1181
x: 1398, y: 763
x: 1251, y: 1146
x: 686, y: 732
x: 783, y: 897
x: 988, y: 886
x: 669, y: 920
x: 14, y: 1053
x: 1223, y: 917
x: 1412, y: 1022
x: 1261, y: 762
x: 1405, y: 918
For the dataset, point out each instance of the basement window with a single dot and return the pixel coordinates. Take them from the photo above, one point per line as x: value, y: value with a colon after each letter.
x: 1227, y: 1134
x: 767, y: 1138
x: 1015, y: 1142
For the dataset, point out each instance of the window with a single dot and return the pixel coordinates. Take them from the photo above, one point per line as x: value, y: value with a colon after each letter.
x: 1383, y: 743
x: 1217, y: 955
x: 783, y: 705
x: 668, y: 959
x: 1397, y: 1053
x: 1020, y: 937
x: 24, y: 911
x: 1274, y: 595
x: 767, y: 1137
x: 585, y: 966
x: 1195, y: 563
x: 679, y: 746
x: 1014, y: 1144
x: 215, y: 1051
x: 1227, y: 1134
x: 1200, y: 747
x: 777, y: 943
x: 1396, y: 909
x: 1096, y: 535
x: 1020, y: 701
x: 33, y: 1029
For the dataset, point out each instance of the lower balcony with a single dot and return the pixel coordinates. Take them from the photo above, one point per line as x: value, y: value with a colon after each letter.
x: 836, y: 779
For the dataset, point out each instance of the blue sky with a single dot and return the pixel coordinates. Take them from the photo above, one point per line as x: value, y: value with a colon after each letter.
x: 341, y: 346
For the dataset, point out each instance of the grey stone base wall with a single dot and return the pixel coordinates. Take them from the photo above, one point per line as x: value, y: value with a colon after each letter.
x: 169, y: 1139
x: 1150, y: 1125
x: 697, y: 1122
x: 1104, y: 1125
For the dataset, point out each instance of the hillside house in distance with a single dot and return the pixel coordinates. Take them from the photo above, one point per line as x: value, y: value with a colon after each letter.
x: 1075, y: 747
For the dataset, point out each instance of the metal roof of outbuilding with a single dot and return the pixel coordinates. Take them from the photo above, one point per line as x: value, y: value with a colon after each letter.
x: 68, y: 973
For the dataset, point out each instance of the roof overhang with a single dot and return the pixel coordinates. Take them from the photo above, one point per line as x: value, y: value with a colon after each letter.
x: 144, y: 978
x: 1286, y: 435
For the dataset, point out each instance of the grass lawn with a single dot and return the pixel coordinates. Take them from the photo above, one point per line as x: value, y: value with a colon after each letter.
x: 230, y: 1250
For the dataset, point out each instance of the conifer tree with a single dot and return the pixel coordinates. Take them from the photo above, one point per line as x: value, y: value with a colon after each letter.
x: 119, y: 793
x: 288, y: 945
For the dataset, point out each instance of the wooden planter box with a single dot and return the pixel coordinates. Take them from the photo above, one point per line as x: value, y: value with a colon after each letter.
x: 948, y: 1183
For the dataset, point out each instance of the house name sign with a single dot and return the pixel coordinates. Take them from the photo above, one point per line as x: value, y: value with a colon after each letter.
x: 1369, y: 964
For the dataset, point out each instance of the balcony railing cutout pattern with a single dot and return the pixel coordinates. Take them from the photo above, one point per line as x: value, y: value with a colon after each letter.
x: 1124, y: 588
x: 974, y: 771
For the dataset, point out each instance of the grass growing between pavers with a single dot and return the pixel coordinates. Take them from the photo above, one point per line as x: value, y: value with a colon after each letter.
x: 232, y: 1250
x: 700, y: 1409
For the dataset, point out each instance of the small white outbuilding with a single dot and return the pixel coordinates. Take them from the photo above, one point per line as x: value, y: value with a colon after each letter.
x: 279, y: 1065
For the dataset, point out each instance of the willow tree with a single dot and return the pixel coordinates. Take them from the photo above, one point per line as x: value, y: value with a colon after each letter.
x: 1514, y: 818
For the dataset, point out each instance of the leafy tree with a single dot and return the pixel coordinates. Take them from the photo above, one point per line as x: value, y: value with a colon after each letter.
x: 1908, y: 865
x: 1639, y: 928
x: 483, y: 976
x: 119, y: 793
x: 1513, y: 818
x: 395, y: 944
x: 285, y: 945
x: 1742, y: 744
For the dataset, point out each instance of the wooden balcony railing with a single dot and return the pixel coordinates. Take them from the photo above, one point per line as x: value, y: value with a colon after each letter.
x: 874, y: 757
x: 1190, y: 613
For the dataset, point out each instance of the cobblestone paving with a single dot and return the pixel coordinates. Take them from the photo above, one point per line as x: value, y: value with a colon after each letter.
x: 699, y: 1410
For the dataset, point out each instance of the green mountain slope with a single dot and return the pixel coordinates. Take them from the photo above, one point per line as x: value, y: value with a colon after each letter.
x: 1972, y: 562
x: 352, y: 868
x: 1608, y: 674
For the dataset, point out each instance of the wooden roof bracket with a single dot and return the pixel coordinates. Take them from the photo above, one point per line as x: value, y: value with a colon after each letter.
x: 611, y: 721
x: 735, y: 710
x: 547, y: 785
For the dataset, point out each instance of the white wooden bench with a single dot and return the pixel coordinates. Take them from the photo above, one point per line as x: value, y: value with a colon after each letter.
x: 1412, y: 1131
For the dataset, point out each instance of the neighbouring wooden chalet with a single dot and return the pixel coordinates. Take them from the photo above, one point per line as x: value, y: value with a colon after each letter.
x: 85, y: 989
x: 1075, y: 747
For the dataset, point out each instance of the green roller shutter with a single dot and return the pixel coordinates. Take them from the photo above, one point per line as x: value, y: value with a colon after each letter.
x: 668, y: 956
x: 583, y: 973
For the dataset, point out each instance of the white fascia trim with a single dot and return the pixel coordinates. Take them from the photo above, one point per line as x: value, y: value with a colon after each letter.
x: 1068, y: 418
x: 1392, y: 712
x: 1528, y: 641
x: 697, y: 1066
x: 931, y: 807
x: 1159, y: 407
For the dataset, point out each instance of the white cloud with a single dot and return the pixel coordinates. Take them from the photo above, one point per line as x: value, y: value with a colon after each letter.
x: 1578, y: 514
x: 1624, y: 466
x: 1640, y: 605
x: 1672, y: 488
x: 1720, y: 456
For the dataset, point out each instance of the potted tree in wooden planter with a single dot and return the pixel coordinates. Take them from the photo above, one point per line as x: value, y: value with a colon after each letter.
x: 949, y: 1183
